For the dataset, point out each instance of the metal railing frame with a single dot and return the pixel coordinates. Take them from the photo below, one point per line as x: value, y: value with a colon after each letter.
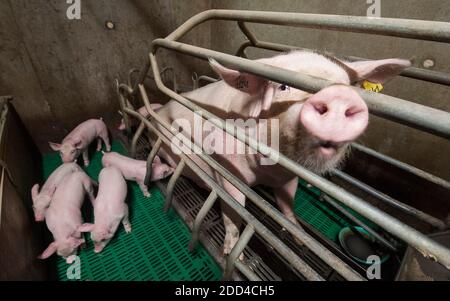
x: 424, y: 118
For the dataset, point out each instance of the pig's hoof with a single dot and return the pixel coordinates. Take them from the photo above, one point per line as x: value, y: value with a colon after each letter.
x: 227, y: 251
x: 86, y: 163
x: 127, y: 228
x: 71, y: 259
x: 147, y: 194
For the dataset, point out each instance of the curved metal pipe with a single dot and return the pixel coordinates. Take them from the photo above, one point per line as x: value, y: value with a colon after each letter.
x: 424, y: 244
x: 396, y: 109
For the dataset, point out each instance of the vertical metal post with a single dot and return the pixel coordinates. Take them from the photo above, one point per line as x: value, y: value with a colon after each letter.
x: 171, y: 184
x: 150, y: 158
x: 237, y: 250
x: 135, y: 139
x: 200, y: 217
x: 123, y: 105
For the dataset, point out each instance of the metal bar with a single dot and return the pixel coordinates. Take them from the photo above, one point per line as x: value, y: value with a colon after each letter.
x: 135, y: 139
x: 408, y: 113
x: 341, y: 267
x: 412, y: 29
x: 432, y: 76
x: 244, y: 269
x: 425, y: 245
x: 241, y: 50
x: 122, y: 105
x: 391, y: 201
x: 134, y: 70
x: 150, y: 158
x: 207, y: 79
x: 171, y: 184
x: 406, y: 167
x: 358, y: 222
x: 196, y: 80
x: 209, y: 203
x: 236, y: 251
x: 246, y: 31
x: 271, y: 239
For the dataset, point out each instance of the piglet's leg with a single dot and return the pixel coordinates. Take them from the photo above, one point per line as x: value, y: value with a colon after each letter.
x: 86, y: 157
x: 144, y: 189
x: 125, y: 221
x: 105, y: 138
x: 99, y: 144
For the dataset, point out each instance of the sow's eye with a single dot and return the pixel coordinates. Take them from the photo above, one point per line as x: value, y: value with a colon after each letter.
x: 284, y: 87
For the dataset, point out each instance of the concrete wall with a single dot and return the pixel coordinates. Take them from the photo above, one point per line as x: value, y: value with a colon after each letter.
x: 422, y: 150
x: 62, y: 71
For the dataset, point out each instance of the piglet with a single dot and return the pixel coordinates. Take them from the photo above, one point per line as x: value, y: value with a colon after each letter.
x: 80, y: 138
x: 143, y: 111
x: 41, y: 199
x: 134, y: 170
x: 109, y: 208
x: 63, y: 217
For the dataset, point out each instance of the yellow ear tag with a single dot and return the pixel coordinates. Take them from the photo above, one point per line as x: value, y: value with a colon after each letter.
x: 372, y: 86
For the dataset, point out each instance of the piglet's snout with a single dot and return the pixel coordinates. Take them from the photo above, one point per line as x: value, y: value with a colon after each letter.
x: 335, y: 115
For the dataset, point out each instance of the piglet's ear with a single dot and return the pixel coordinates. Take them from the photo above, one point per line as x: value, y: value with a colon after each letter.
x: 77, y: 144
x: 55, y: 146
x: 244, y: 82
x: 49, y: 251
x: 379, y: 71
x: 86, y: 227
x: 76, y: 242
x: 34, y: 192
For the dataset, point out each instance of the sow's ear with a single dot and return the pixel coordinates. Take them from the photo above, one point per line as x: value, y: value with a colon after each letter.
x: 244, y: 82
x: 379, y: 71
x: 248, y: 83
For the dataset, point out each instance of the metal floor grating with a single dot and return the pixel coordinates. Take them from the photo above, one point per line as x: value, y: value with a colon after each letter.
x: 187, y: 202
x: 156, y: 249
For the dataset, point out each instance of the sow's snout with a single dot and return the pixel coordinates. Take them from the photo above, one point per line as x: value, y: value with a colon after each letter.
x: 334, y: 116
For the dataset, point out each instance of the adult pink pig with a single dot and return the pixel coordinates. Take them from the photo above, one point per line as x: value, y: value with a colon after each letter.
x: 134, y: 170
x: 63, y: 217
x: 42, y: 199
x: 315, y: 130
x: 143, y: 111
x: 80, y: 138
x: 109, y: 208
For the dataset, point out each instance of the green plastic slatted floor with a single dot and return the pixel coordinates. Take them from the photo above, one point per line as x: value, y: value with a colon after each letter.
x: 320, y: 214
x: 156, y: 249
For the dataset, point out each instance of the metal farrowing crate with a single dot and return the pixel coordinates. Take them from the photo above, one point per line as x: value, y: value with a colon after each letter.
x: 421, y: 117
